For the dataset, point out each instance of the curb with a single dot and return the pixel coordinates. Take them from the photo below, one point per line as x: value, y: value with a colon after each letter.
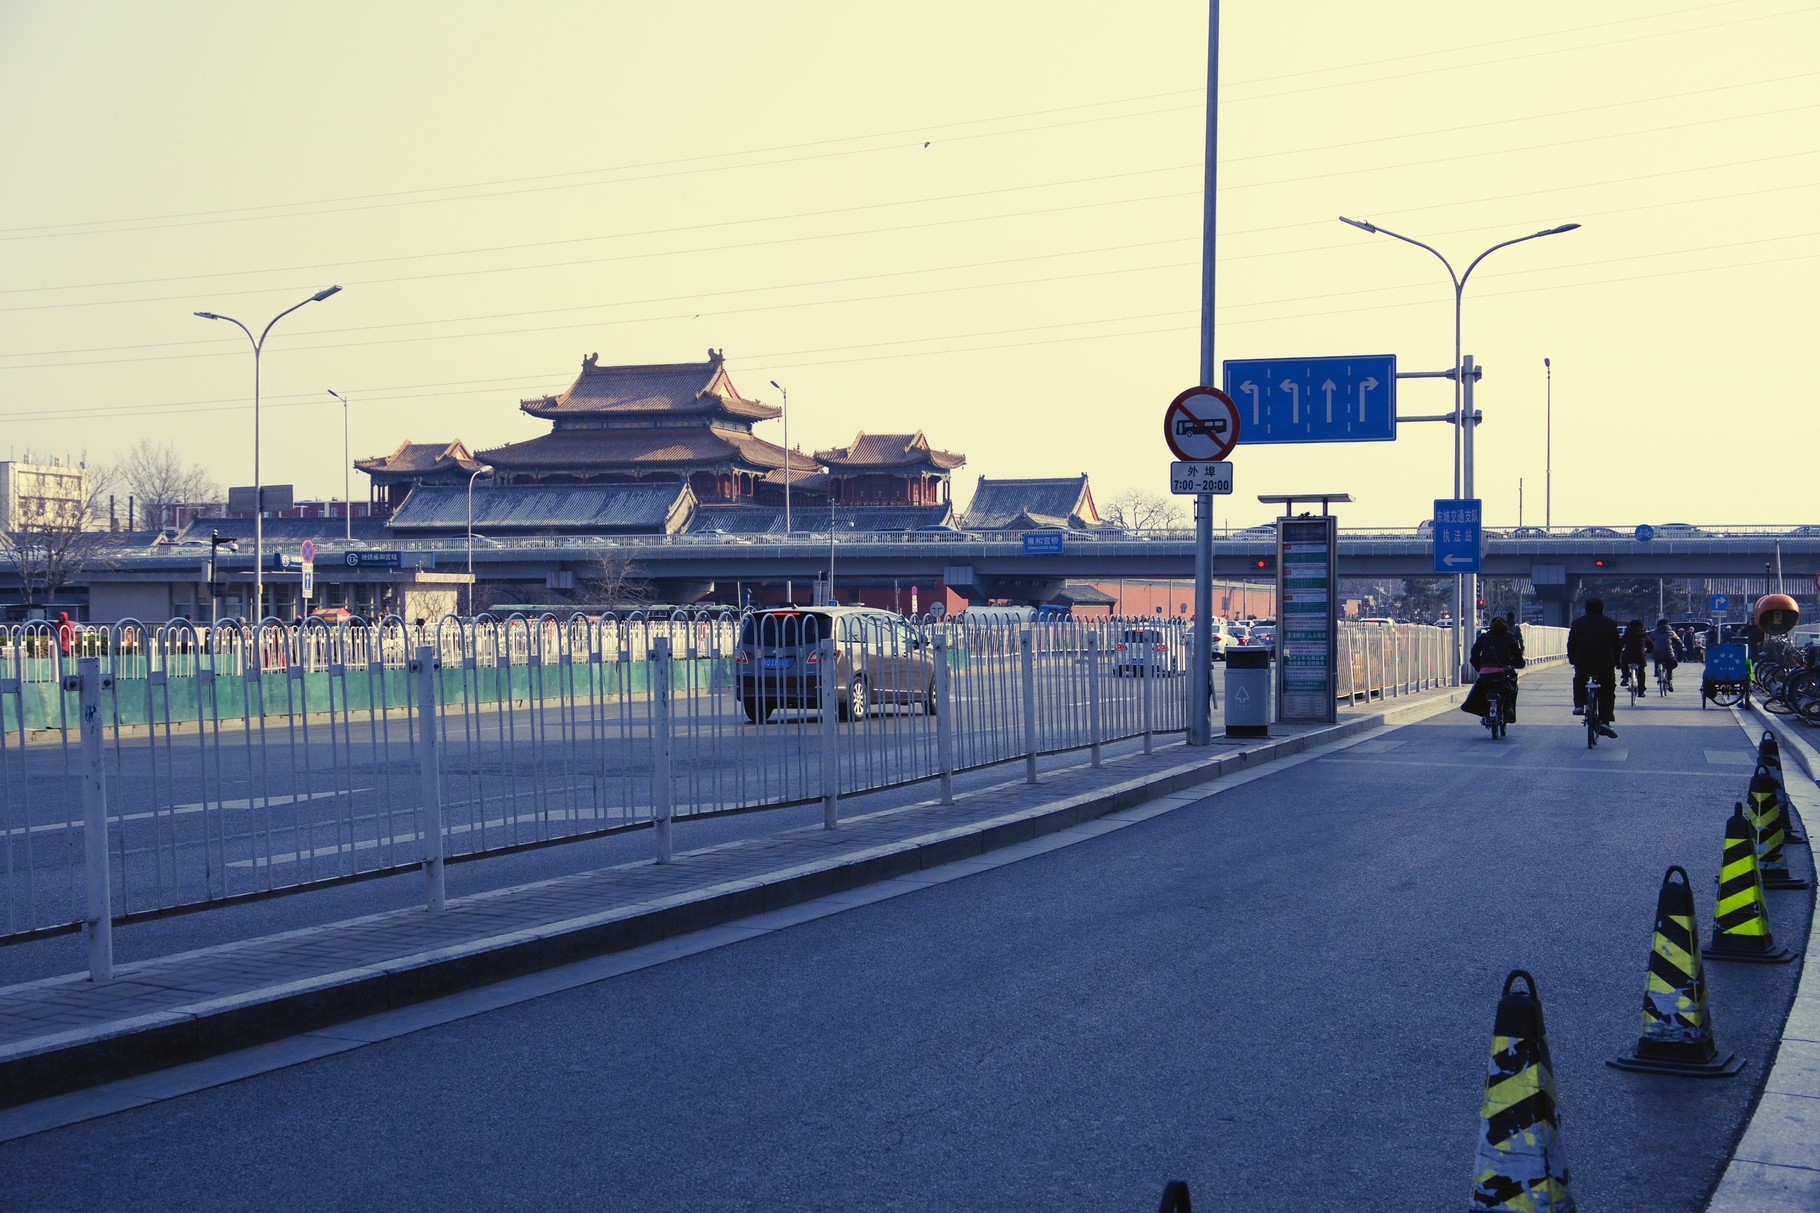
x: 81, y: 1057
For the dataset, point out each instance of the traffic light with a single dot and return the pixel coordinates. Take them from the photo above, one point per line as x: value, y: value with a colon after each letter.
x: 1262, y: 564
x: 1603, y: 562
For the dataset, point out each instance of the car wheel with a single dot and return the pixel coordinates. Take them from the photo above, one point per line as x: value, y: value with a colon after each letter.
x: 755, y: 711
x: 858, y: 702
x: 929, y: 699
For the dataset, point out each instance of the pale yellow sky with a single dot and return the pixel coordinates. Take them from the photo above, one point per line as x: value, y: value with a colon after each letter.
x: 978, y: 220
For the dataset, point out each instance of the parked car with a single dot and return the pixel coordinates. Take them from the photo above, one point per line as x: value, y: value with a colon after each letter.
x: 1530, y: 532
x: 1595, y: 532
x: 1142, y: 651
x: 1803, y: 532
x: 879, y: 659
x: 1681, y: 530
x: 1264, y: 636
x: 1222, y: 637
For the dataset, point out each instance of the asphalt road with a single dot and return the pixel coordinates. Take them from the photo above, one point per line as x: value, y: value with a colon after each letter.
x: 201, y: 816
x: 1282, y: 992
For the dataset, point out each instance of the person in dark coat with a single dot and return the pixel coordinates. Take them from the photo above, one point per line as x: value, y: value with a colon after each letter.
x: 1668, y: 651
x: 1594, y: 647
x: 1637, y: 650
x: 1496, y: 655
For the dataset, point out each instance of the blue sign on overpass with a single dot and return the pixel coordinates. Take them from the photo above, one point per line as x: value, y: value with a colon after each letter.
x: 1042, y: 543
x: 1345, y: 399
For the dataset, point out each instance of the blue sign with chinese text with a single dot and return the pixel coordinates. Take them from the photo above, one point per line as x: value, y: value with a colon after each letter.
x: 1042, y: 543
x: 1459, y: 532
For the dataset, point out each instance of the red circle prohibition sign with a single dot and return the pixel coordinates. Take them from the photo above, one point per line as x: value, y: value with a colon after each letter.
x: 1202, y: 424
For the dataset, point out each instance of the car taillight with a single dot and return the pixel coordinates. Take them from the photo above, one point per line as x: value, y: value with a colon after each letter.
x: 1162, y: 648
x: 814, y: 656
x: 1118, y: 648
x: 742, y: 659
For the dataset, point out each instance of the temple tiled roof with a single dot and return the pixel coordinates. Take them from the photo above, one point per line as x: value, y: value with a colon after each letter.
x: 669, y: 388
x: 282, y: 531
x: 889, y: 450
x: 582, y: 451
x: 524, y: 508
x: 420, y: 458
x: 1021, y: 505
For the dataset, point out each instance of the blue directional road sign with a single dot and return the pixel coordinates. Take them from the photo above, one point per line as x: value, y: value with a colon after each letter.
x: 1459, y: 531
x: 1345, y: 399
x: 1719, y: 602
x: 375, y: 560
x: 1645, y: 533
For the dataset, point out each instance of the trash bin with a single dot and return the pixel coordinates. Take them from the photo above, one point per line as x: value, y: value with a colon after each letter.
x: 1247, y: 692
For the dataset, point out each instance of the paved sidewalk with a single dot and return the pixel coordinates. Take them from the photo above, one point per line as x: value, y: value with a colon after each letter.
x: 68, y: 1033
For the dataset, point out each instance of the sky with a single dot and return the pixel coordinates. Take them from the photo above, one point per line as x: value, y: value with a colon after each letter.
x: 980, y: 220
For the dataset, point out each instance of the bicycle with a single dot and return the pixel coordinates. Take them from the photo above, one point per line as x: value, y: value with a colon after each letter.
x: 1633, y: 678
x: 1664, y: 677
x: 1494, y: 720
x: 1593, y: 687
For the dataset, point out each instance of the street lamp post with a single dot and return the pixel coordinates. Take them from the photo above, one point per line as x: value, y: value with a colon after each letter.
x: 347, y: 485
x: 1548, y: 449
x: 1466, y: 588
x: 258, y: 482
x: 786, y: 391
x: 482, y: 470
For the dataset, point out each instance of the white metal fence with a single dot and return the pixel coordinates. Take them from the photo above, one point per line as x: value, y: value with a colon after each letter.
x: 239, y: 762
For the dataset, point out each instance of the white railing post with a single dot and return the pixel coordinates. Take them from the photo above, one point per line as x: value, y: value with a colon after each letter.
x: 99, y: 922
x: 663, y: 802
x: 944, y: 718
x: 1096, y: 710
x: 1146, y: 676
x: 830, y: 702
x: 1026, y: 649
x: 429, y: 774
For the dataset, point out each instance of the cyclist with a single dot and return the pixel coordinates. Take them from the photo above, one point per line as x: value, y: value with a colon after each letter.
x: 1497, y: 656
x: 1593, y: 647
x: 1668, y: 653
x: 1637, y: 650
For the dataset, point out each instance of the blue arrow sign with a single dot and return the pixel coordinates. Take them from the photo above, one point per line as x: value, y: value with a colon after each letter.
x: 1459, y: 529
x: 1345, y: 399
x: 1719, y: 602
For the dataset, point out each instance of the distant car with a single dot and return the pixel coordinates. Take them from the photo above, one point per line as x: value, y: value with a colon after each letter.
x: 1267, y: 531
x: 1142, y: 651
x: 1222, y: 637
x: 1530, y: 532
x: 1595, y: 532
x: 1681, y: 530
x: 1803, y: 532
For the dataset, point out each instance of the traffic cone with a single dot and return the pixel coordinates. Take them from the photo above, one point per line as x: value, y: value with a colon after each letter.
x: 1175, y: 1198
x: 1677, y: 1035
x: 1740, y: 918
x: 1769, y: 755
x: 1769, y: 817
x: 1522, y: 1164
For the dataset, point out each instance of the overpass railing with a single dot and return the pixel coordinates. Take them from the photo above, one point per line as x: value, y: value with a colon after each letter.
x: 242, y: 761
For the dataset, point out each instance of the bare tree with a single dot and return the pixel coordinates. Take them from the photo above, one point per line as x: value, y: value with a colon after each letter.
x: 158, y: 480
x: 1136, y: 510
x: 612, y: 582
x: 56, y: 538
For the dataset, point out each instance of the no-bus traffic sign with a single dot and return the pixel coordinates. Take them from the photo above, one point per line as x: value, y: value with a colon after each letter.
x: 1201, y: 425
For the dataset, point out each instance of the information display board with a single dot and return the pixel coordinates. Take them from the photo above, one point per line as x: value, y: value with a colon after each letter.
x: 1307, y: 634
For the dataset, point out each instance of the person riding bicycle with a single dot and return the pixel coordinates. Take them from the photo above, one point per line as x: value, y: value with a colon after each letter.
x: 1668, y: 652
x: 1594, y: 647
x: 1497, y: 656
x: 1637, y: 650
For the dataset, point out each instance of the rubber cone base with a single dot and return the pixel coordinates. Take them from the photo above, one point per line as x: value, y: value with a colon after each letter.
x: 1783, y: 880
x: 1720, y: 951
x: 1723, y: 1065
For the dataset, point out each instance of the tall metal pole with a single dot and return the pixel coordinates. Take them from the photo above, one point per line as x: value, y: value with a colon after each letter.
x: 347, y: 465
x: 482, y: 470
x: 258, y: 481
x: 1200, y: 721
x: 1548, y: 449
x: 787, y: 477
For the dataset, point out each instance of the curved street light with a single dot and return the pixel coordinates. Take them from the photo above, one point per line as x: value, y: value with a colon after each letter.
x: 483, y: 470
x: 787, y: 477
x: 1466, y: 589
x: 258, y: 483
x: 347, y: 479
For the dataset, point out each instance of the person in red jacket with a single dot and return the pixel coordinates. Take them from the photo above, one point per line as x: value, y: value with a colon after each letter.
x: 66, y: 633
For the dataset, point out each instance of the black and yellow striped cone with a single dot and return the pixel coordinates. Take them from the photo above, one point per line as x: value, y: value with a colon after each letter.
x: 1522, y: 1164
x: 1770, y: 819
x: 1769, y: 756
x: 1740, y: 919
x: 1677, y: 1036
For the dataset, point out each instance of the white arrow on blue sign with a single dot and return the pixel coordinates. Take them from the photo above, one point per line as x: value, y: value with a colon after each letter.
x: 1352, y: 398
x: 1459, y: 531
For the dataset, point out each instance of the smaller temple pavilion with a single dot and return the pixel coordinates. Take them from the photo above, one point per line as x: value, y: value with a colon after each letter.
x: 392, y: 477
x: 889, y: 469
